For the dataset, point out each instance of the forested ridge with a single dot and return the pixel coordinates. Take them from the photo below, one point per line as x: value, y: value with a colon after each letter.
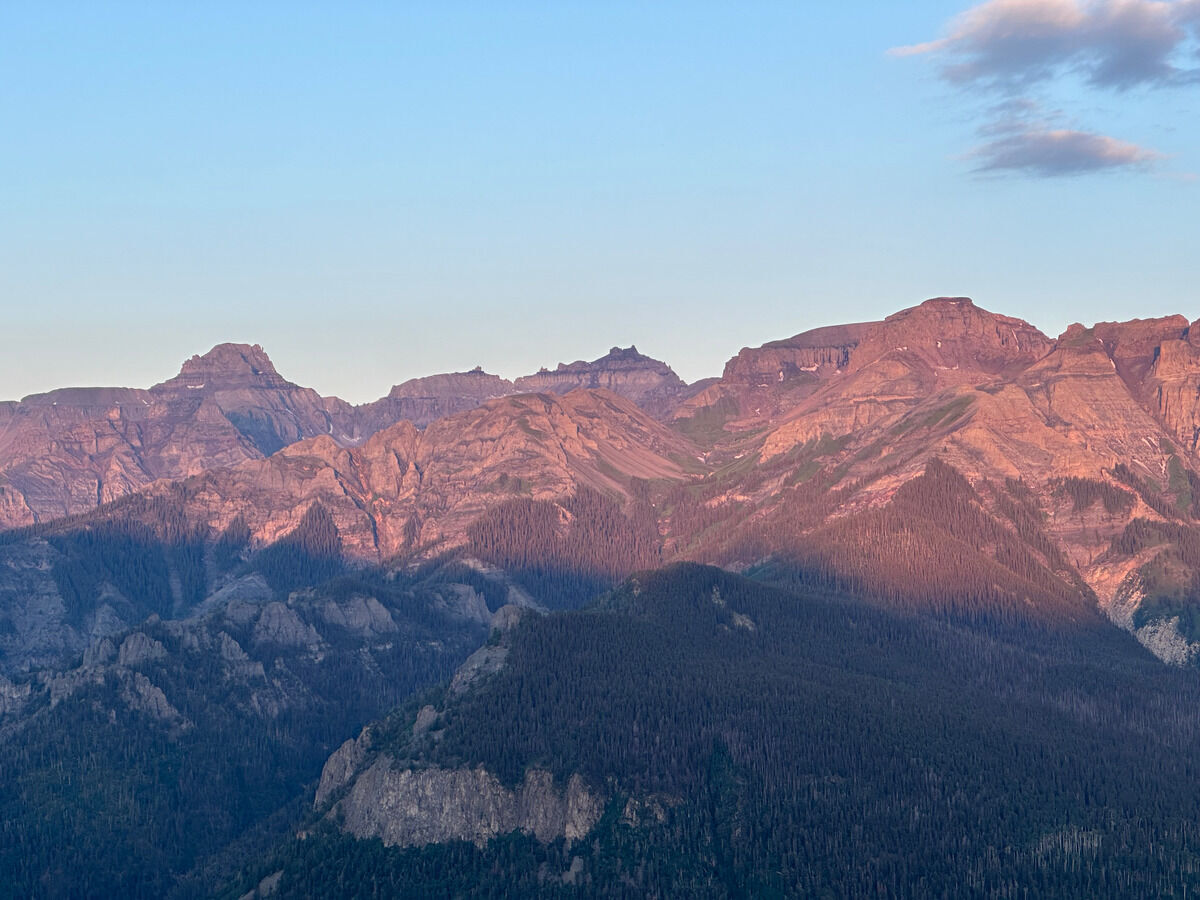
x: 795, y: 744
x: 565, y: 553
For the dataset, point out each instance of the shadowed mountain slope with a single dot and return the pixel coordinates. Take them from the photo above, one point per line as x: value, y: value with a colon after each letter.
x: 697, y: 734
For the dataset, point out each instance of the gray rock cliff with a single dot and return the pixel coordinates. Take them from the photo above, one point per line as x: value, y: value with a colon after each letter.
x: 415, y: 807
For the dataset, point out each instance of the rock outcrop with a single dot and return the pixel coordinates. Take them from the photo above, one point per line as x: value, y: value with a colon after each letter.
x: 813, y: 352
x: 761, y: 383
x: 138, y: 648
x: 414, y: 807
x: 341, y: 767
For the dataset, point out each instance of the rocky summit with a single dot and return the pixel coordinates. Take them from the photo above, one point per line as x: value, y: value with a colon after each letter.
x: 425, y: 400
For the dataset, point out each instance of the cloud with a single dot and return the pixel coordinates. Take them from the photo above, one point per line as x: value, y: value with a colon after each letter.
x: 1118, y: 44
x: 1020, y: 50
x: 1048, y: 153
x: 1021, y: 136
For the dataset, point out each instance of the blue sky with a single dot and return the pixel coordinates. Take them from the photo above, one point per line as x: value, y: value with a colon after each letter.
x: 375, y: 192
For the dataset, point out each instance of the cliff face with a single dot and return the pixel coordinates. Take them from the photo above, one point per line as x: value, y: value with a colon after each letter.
x: 1171, y: 385
x: 650, y: 384
x: 378, y: 792
x: 904, y: 360
x: 414, y: 807
x: 819, y: 350
x: 760, y: 384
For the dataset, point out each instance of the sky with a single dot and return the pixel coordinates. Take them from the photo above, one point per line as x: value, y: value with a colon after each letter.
x: 375, y: 192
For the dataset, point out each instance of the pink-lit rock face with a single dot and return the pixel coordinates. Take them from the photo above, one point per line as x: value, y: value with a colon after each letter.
x: 404, y: 487
x: 65, y: 451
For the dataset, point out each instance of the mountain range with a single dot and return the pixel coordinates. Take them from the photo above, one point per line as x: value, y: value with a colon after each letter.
x: 947, y: 478
x: 1078, y: 452
x: 68, y: 450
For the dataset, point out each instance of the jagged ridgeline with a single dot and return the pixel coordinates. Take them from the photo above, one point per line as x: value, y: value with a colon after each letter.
x: 712, y: 736
x: 804, y: 453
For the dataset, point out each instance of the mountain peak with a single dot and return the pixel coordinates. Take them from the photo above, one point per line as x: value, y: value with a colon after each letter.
x: 621, y: 353
x: 952, y: 334
x: 621, y: 358
x: 955, y: 317
x: 230, y: 359
x: 228, y: 365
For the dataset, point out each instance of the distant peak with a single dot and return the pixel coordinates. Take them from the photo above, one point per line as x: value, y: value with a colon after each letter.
x: 1074, y: 331
x: 628, y: 354
x: 475, y: 383
x: 228, y: 365
x: 247, y: 359
x: 939, y: 307
x: 944, y: 310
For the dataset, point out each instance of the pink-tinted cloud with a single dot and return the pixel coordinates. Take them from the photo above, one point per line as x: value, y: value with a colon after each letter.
x: 1019, y: 50
x: 1049, y: 153
x: 1011, y: 44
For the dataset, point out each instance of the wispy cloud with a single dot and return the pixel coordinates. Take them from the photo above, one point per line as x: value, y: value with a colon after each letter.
x: 1119, y: 44
x: 1018, y: 49
x: 1019, y: 136
x: 1057, y: 152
